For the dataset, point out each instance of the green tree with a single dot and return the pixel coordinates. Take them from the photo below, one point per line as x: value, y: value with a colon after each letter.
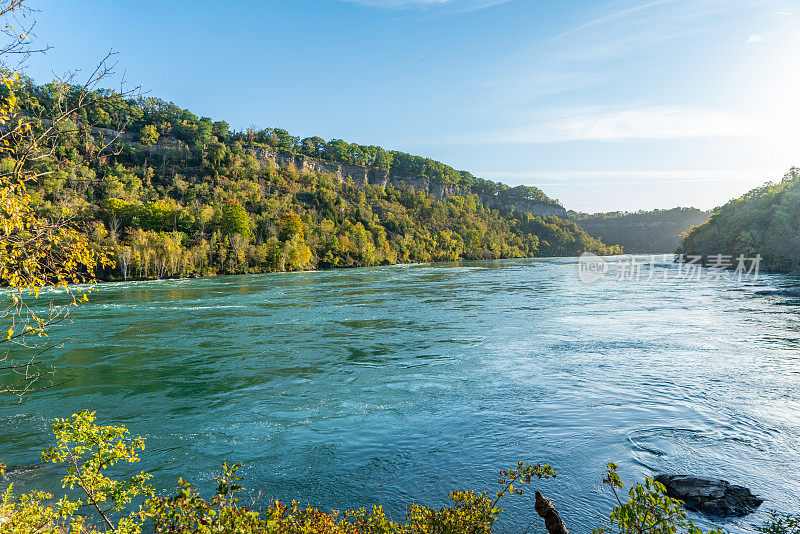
x: 297, y: 254
x: 204, y: 131
x: 220, y: 129
x: 235, y: 220
x: 291, y: 226
x: 149, y: 135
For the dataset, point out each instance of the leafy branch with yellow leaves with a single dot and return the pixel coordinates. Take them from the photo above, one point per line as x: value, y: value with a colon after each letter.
x: 36, y: 251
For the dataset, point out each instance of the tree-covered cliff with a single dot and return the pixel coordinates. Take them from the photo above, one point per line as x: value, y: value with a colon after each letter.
x: 765, y: 221
x: 178, y: 195
x: 642, y: 232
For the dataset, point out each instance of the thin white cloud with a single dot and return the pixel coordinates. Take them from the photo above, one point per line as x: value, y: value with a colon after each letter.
x: 755, y: 38
x: 455, y: 5
x: 784, y: 13
x: 399, y: 4
x: 635, y: 123
x: 612, y: 17
x: 614, y: 33
x: 602, y: 177
x: 536, y: 84
x: 589, y: 53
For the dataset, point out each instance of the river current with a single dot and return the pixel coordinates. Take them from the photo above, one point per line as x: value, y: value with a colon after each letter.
x: 399, y: 384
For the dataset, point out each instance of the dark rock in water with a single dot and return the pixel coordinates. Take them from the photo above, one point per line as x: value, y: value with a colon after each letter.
x: 710, y: 496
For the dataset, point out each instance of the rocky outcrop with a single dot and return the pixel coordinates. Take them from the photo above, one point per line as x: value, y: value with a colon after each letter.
x: 383, y: 178
x: 531, y: 206
x: 170, y: 148
x: 711, y: 496
x: 167, y: 147
x: 360, y: 175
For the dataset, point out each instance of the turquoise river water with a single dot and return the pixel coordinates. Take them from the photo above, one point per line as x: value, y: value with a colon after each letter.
x: 389, y: 385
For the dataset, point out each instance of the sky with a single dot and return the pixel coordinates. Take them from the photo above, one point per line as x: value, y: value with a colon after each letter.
x: 604, y: 105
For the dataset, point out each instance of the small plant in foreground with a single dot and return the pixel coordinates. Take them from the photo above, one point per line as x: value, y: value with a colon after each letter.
x: 781, y: 524
x: 88, y: 451
x: 187, y: 511
x: 648, y: 510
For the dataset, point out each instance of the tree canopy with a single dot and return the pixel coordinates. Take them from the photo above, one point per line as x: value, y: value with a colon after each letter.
x: 763, y: 222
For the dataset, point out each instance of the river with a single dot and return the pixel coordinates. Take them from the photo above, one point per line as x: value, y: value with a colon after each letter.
x: 398, y: 384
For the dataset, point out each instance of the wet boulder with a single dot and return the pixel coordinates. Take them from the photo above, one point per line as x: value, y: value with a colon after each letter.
x: 711, y: 496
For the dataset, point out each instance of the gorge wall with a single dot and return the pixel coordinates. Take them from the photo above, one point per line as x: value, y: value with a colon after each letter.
x: 364, y: 175
x: 170, y: 148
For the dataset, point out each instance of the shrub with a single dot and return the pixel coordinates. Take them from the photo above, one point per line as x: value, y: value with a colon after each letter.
x: 87, y: 451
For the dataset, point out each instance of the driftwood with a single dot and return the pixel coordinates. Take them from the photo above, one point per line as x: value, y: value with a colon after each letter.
x: 552, y: 521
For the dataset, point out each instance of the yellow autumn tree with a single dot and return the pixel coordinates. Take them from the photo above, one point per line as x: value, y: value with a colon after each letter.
x: 35, y: 251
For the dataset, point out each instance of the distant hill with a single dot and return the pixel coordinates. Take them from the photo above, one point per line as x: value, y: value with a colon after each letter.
x: 641, y: 232
x: 765, y: 221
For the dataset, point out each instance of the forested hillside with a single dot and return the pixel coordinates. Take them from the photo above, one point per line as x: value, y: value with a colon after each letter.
x: 178, y: 195
x: 765, y: 221
x: 643, y: 232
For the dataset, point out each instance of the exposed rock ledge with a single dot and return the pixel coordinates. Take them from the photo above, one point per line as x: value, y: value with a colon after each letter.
x: 170, y: 148
x: 711, y: 496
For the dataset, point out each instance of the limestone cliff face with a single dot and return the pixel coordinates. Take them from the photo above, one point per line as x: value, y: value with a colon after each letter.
x: 364, y: 175
x: 169, y: 147
x: 358, y: 174
x: 531, y: 206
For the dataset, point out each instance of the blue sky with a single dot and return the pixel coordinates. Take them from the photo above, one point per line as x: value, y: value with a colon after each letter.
x: 605, y: 105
